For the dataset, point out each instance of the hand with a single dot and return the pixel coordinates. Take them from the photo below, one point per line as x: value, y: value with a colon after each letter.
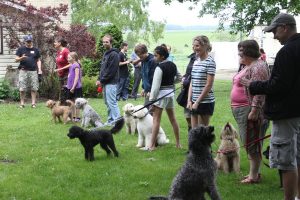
x: 253, y: 115
x: 195, y: 106
x: 244, y: 81
x: 142, y: 93
x: 98, y: 83
x: 23, y: 57
x: 40, y: 72
x: 148, y: 94
x: 56, y: 70
x: 72, y: 90
x: 189, y: 105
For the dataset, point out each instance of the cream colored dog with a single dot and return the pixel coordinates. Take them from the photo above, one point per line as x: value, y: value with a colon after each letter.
x: 130, y: 121
x: 144, y: 127
x: 228, y: 156
x: 58, y: 110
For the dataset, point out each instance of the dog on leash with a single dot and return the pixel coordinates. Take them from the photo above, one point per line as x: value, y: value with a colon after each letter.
x: 89, y: 139
x: 144, y: 127
x: 228, y: 156
x: 130, y: 121
x: 61, y: 111
x: 197, y: 175
x: 89, y: 115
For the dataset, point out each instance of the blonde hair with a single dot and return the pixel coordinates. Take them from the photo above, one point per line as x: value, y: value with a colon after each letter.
x: 204, y: 41
x: 74, y: 55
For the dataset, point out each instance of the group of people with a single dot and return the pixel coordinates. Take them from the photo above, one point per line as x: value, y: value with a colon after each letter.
x: 256, y: 96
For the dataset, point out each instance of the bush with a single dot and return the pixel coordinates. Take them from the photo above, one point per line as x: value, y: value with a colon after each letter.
x: 8, y: 92
x: 4, y: 89
x: 89, y: 87
x: 49, y: 87
x: 90, y: 67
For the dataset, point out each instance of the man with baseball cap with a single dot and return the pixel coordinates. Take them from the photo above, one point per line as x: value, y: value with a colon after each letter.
x: 282, y: 103
x: 30, y: 64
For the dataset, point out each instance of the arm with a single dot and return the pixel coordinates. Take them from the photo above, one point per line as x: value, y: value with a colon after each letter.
x: 20, y: 58
x: 189, y: 100
x: 39, y: 64
x: 157, y: 78
x: 207, y: 88
x: 65, y: 67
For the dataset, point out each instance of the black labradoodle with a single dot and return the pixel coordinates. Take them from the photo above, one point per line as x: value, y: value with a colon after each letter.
x: 197, y: 175
x: 89, y: 139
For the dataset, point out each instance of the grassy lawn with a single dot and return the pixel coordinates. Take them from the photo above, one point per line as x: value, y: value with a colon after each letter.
x: 46, y: 164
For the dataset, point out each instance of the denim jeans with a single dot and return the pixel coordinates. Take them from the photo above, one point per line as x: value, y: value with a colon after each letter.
x: 110, y: 99
x: 137, y: 80
x: 123, y: 85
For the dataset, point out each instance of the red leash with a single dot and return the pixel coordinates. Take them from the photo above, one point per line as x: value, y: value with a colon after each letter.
x: 246, y: 145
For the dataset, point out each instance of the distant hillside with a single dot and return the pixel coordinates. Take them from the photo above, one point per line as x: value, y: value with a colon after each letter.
x: 172, y: 27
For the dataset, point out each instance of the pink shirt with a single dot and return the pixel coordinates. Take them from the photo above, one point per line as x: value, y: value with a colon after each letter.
x: 239, y: 95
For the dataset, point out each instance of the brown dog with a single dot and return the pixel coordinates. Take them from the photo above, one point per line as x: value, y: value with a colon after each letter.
x: 64, y: 111
x: 228, y: 156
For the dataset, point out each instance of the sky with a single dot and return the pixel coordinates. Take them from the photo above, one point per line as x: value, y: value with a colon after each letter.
x: 178, y: 13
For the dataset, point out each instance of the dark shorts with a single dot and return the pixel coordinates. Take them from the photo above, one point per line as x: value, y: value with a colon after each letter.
x: 77, y: 94
x: 204, y: 109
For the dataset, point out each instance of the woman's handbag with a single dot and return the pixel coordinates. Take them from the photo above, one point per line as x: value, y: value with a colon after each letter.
x: 182, y: 97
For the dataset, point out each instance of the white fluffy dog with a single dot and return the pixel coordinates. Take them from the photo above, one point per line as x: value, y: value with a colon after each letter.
x: 89, y: 115
x: 130, y: 121
x: 228, y: 156
x: 144, y: 127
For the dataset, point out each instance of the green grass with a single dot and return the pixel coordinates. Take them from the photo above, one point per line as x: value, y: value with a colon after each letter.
x: 48, y: 165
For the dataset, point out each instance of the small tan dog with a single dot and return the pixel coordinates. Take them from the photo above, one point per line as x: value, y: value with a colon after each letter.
x: 64, y: 111
x: 130, y: 121
x: 228, y: 156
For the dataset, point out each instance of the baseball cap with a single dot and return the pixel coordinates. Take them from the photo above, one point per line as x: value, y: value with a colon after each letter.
x: 27, y: 38
x: 280, y: 19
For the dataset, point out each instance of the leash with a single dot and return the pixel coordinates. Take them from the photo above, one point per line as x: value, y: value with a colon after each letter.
x: 246, y: 145
x: 156, y: 100
x: 147, y: 105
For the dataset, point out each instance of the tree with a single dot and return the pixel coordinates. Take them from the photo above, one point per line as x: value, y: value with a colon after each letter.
x: 130, y: 16
x: 244, y: 14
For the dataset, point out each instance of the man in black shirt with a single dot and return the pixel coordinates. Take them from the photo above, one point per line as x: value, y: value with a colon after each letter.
x: 30, y: 63
x: 123, y: 83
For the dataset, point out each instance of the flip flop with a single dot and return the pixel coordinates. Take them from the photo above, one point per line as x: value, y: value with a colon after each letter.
x: 33, y: 106
x: 250, y: 181
x: 258, y: 177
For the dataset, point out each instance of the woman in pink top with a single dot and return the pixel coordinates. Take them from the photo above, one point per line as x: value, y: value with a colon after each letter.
x: 247, y: 109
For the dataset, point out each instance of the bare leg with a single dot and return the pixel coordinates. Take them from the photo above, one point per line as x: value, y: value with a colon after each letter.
x: 194, y: 121
x: 204, y: 120
x: 175, y: 126
x: 289, y: 184
x: 22, y: 97
x: 255, y: 160
x: 156, y: 124
x: 33, y: 97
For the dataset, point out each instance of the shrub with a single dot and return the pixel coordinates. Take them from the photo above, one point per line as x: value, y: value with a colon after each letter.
x: 89, y: 87
x: 90, y: 67
x: 4, y: 89
x: 49, y: 87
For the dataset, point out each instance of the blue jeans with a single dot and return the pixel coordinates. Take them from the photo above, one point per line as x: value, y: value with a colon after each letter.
x: 123, y: 85
x: 110, y: 99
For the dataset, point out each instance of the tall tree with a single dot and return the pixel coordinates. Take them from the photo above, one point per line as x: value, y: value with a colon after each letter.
x: 243, y: 15
x: 130, y: 16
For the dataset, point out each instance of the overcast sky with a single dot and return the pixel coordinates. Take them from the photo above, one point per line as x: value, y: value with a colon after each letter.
x: 178, y: 13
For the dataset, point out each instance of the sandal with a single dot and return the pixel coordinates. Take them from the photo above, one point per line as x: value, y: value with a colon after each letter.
x: 250, y: 181
x: 33, y: 106
x: 21, y: 106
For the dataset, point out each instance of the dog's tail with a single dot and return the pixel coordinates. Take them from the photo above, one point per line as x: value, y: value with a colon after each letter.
x: 70, y: 103
x: 158, y: 198
x: 118, y: 126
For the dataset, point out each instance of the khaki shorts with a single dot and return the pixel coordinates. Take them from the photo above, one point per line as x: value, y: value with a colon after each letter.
x: 28, y: 80
x: 285, y: 144
x: 167, y: 102
x: 251, y: 133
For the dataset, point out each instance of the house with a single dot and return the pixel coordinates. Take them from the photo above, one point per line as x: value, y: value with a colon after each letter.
x: 7, y: 56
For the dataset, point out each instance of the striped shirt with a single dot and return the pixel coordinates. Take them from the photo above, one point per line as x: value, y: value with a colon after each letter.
x: 201, y: 69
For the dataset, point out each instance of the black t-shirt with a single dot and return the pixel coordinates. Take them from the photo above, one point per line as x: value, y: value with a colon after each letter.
x: 30, y: 63
x: 123, y: 69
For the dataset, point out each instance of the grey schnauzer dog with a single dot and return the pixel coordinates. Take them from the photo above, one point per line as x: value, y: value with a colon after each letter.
x: 198, y: 174
x: 89, y: 115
